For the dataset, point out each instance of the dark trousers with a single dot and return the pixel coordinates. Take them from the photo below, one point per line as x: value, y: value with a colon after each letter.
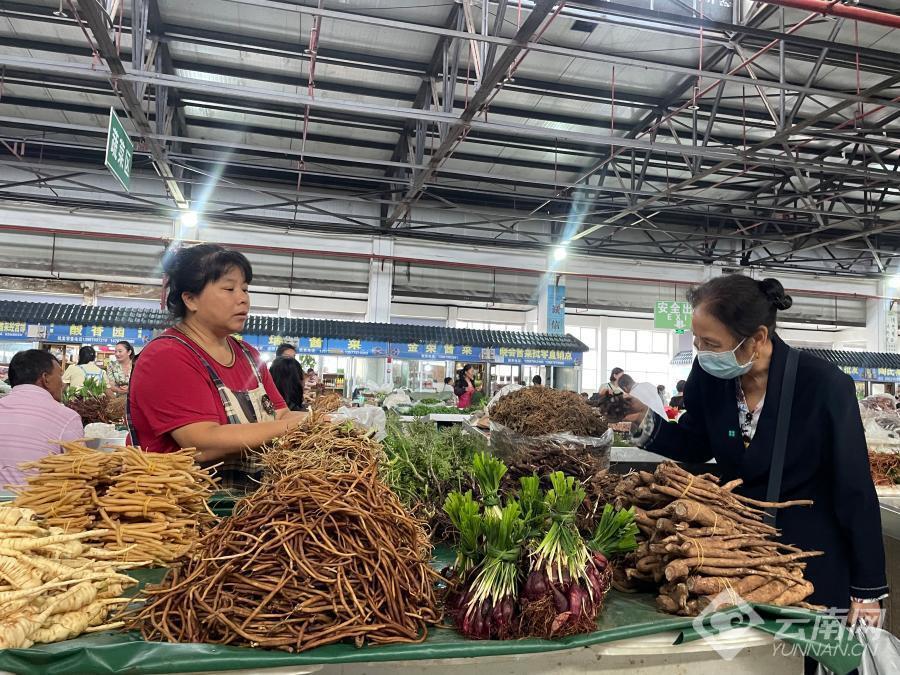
x: 810, y: 666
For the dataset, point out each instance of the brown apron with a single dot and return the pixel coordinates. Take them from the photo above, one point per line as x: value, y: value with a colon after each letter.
x: 241, y: 407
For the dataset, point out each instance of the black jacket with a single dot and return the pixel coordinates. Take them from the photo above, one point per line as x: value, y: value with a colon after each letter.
x: 826, y: 461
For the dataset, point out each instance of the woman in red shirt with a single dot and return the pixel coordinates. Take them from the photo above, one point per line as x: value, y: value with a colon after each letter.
x: 197, y: 386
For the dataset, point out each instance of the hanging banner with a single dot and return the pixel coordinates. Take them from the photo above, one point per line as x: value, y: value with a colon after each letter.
x: 890, y: 332
x: 556, y: 310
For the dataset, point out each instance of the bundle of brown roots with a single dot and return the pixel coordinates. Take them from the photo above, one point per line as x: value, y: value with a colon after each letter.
x: 315, y: 558
x: 702, y: 539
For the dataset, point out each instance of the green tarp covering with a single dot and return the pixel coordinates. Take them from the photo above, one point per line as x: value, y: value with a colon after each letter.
x: 623, y: 617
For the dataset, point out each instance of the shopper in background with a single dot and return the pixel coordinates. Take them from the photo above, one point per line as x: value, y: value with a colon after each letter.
x: 537, y: 381
x: 464, y: 388
x: 195, y: 386
x: 734, y: 407
x: 86, y: 369
x: 677, y: 401
x: 32, y: 419
x: 287, y: 350
x: 287, y: 374
x: 118, y: 370
x: 613, y: 387
x: 661, y: 390
x: 312, y: 379
x: 446, y: 386
x: 625, y: 384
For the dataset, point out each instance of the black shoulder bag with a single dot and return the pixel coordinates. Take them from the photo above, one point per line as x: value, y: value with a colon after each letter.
x: 782, y: 427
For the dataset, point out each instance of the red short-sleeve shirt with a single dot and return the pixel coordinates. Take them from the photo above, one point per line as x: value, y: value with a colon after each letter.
x: 171, y: 388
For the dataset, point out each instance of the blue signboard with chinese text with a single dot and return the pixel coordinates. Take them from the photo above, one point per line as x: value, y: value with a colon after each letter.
x: 97, y: 335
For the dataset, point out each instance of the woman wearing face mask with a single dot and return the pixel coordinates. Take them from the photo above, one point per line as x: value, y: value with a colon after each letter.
x: 740, y: 411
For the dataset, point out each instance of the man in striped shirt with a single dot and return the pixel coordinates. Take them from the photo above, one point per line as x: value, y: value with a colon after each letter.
x: 32, y: 419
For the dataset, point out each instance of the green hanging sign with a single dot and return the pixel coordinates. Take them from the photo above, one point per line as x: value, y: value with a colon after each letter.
x: 674, y: 315
x: 119, y: 150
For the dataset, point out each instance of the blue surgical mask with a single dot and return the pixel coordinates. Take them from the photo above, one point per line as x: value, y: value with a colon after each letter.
x: 724, y: 365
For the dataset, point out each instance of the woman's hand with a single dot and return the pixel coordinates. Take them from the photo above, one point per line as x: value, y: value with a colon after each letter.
x: 864, y: 612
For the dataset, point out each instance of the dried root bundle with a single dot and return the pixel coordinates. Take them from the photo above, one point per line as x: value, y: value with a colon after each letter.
x: 151, y: 506
x: 319, y: 444
x: 53, y: 586
x: 700, y: 539
x: 317, y: 557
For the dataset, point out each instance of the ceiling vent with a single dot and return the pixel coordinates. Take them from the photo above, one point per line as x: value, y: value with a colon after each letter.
x: 583, y: 26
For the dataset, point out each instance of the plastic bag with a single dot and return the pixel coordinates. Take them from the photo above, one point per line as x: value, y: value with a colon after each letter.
x: 368, y: 417
x: 510, y: 445
x: 399, y: 397
x: 881, y: 653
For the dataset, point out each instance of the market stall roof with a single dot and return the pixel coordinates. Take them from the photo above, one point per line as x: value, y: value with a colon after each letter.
x: 857, y: 359
x: 684, y: 358
x: 152, y: 319
x: 838, y: 358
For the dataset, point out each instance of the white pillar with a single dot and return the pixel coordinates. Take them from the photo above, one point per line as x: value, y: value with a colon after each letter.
x: 452, y: 317
x: 877, y: 319
x: 381, y: 278
x: 284, y: 305
x: 602, y: 358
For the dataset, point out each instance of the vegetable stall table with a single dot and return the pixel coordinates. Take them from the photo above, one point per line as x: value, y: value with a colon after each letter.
x: 630, y: 633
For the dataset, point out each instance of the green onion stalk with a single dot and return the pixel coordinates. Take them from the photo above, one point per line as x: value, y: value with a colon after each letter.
x: 492, y: 599
x: 465, y: 515
x: 534, y: 505
x: 616, y: 532
x: 562, y: 553
x: 489, y: 471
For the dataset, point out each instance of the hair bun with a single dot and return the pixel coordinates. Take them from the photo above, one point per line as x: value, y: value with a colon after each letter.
x: 774, y: 292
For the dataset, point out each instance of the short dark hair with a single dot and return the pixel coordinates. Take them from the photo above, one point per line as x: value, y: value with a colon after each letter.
x: 660, y: 387
x: 283, y: 347
x: 288, y: 378
x: 679, y: 386
x: 615, y: 371
x: 27, y: 367
x: 86, y: 355
x: 191, y: 269
x: 626, y: 382
x: 740, y: 303
x: 128, y: 348
x: 536, y: 380
x: 448, y: 380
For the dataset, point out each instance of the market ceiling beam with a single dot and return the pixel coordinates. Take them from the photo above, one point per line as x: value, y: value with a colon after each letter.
x: 69, y: 84
x: 716, y: 32
x: 538, y: 47
x: 624, y: 98
x: 752, y: 34
x: 683, y: 200
x: 438, y: 62
x: 106, y: 48
x: 778, y: 138
x: 599, y: 169
x: 397, y: 113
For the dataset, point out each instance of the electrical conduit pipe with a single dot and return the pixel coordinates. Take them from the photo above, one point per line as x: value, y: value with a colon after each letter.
x: 835, y: 8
